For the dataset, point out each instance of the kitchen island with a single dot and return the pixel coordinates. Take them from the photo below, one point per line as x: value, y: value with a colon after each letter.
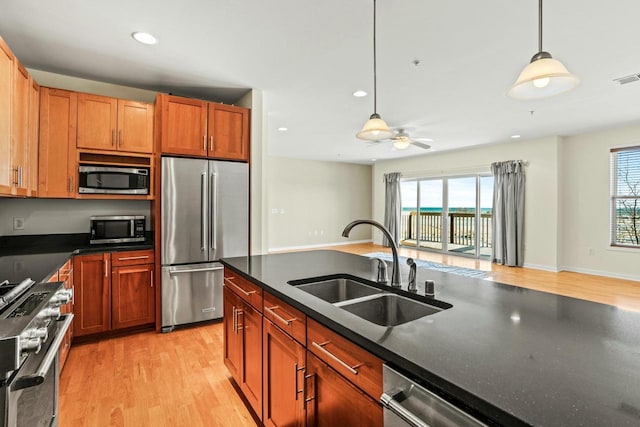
x: 514, y: 355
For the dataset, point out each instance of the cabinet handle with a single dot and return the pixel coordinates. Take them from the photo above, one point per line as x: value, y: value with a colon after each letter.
x: 129, y: 258
x: 15, y: 176
x: 120, y: 137
x: 211, y: 143
x: 248, y: 294
x: 239, y: 312
x: 70, y: 185
x: 304, y: 385
x: 298, y: 391
x: 277, y: 316
x: 350, y: 368
x: 151, y: 274
x: 235, y: 321
x: 20, y: 176
x: 204, y: 143
x: 113, y: 137
x: 106, y: 268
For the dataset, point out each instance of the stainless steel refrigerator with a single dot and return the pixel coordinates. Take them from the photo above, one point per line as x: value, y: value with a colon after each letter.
x: 205, y: 217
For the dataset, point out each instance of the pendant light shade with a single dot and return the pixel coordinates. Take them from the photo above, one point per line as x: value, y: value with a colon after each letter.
x: 375, y: 128
x: 543, y: 76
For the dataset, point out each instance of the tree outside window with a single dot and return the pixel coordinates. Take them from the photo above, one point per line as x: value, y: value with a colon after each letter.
x: 625, y: 197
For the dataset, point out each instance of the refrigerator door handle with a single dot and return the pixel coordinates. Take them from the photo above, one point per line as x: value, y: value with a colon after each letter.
x: 203, y: 212
x: 214, y: 209
x: 194, y: 270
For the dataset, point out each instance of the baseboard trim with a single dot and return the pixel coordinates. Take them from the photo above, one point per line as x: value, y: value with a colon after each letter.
x: 602, y: 273
x: 541, y: 267
x: 319, y: 245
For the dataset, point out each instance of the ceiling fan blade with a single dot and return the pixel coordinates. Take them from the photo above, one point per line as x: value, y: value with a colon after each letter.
x: 421, y: 145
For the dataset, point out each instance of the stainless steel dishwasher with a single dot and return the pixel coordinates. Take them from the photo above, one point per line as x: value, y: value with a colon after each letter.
x: 406, y: 403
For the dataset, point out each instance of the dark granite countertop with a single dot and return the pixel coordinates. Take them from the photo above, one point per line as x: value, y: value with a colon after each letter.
x: 516, y: 355
x: 39, y: 256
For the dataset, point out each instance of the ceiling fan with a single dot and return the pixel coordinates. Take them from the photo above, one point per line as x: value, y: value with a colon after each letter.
x: 401, y: 140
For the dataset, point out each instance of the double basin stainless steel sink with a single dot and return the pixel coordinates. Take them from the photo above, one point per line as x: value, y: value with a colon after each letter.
x: 368, y: 302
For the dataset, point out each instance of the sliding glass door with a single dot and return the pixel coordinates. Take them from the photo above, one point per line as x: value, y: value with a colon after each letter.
x: 450, y: 215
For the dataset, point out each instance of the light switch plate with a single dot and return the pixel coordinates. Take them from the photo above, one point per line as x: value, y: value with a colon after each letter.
x: 18, y: 223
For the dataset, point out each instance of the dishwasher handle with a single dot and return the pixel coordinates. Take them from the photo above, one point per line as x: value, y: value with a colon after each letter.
x: 389, y: 402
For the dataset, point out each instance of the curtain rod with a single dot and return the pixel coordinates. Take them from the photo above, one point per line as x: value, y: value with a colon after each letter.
x: 452, y: 171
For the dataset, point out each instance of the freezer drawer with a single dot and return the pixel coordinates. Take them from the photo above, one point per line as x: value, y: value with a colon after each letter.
x: 191, y: 293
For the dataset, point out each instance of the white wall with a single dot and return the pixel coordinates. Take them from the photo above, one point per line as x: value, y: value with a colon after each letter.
x: 541, y: 187
x: 60, y: 216
x: 586, y: 215
x: 310, y: 202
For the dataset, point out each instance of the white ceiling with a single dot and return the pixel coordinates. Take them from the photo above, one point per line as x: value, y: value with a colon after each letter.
x: 309, y: 56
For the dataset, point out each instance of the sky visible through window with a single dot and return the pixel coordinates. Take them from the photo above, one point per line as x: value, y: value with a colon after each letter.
x: 462, y: 193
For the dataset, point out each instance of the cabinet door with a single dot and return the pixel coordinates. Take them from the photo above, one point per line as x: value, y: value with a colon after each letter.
x: 135, y: 126
x: 97, y: 118
x: 20, y: 129
x: 132, y: 296
x: 91, y: 282
x: 228, y: 128
x: 183, y: 128
x: 283, y: 370
x: 57, y: 170
x: 34, y: 126
x: 333, y: 401
x: 6, y: 88
x: 250, y: 323
x: 232, y: 338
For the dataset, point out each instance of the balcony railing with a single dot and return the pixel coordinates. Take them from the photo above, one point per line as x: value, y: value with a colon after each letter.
x: 462, y: 228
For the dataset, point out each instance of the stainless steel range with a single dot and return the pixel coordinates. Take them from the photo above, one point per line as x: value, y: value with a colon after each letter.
x: 31, y: 331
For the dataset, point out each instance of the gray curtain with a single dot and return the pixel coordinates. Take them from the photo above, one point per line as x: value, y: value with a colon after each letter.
x: 508, y: 213
x: 392, y: 207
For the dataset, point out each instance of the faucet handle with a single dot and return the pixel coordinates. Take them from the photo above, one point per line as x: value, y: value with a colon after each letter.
x: 412, y: 275
x: 429, y: 288
x: 383, y: 278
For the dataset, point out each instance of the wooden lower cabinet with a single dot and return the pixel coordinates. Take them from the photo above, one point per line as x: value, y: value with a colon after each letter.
x: 334, y: 401
x: 132, y: 296
x: 65, y: 275
x: 283, y: 371
x: 92, y: 285
x: 243, y: 347
x: 109, y: 298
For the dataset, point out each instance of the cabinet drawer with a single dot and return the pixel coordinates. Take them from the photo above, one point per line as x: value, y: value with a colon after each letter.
x: 289, y: 319
x: 248, y: 291
x: 119, y: 259
x: 356, y: 364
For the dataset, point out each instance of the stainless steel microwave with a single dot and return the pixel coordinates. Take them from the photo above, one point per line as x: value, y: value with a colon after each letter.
x: 113, y: 180
x: 117, y: 229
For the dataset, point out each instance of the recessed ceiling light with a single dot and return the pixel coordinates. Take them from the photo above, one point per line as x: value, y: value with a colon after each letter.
x: 283, y: 129
x: 359, y: 93
x: 515, y: 136
x: 144, y: 38
x: 373, y: 160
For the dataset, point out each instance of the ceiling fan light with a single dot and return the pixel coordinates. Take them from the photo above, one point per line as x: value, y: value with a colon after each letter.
x: 401, y: 144
x: 375, y: 129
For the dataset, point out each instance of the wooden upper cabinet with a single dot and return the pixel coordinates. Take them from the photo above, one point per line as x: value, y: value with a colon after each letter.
x: 135, y: 126
x: 20, y: 129
x: 198, y: 128
x: 114, y: 124
x: 97, y: 122
x: 6, y: 89
x: 57, y: 174
x: 34, y: 126
x: 228, y: 128
x: 183, y: 125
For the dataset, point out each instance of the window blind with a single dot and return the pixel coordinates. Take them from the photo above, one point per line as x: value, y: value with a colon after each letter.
x: 625, y: 197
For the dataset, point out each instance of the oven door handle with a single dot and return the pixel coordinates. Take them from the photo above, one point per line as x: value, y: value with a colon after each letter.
x: 40, y: 375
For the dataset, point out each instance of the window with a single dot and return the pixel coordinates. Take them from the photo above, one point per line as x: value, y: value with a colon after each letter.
x: 448, y: 214
x: 625, y: 197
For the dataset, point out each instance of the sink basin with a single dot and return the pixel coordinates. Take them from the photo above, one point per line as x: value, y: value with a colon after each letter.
x: 390, y: 309
x: 338, y: 289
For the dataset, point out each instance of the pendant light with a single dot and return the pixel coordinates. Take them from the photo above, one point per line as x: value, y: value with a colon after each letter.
x: 544, y: 76
x: 375, y: 128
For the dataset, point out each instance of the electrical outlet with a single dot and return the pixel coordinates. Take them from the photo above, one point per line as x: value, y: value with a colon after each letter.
x: 18, y: 223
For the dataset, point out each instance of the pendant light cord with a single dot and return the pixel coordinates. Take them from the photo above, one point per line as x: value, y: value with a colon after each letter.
x: 375, y: 83
x: 539, y: 26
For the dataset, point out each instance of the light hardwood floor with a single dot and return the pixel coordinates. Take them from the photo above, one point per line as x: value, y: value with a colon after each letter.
x: 179, y: 379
